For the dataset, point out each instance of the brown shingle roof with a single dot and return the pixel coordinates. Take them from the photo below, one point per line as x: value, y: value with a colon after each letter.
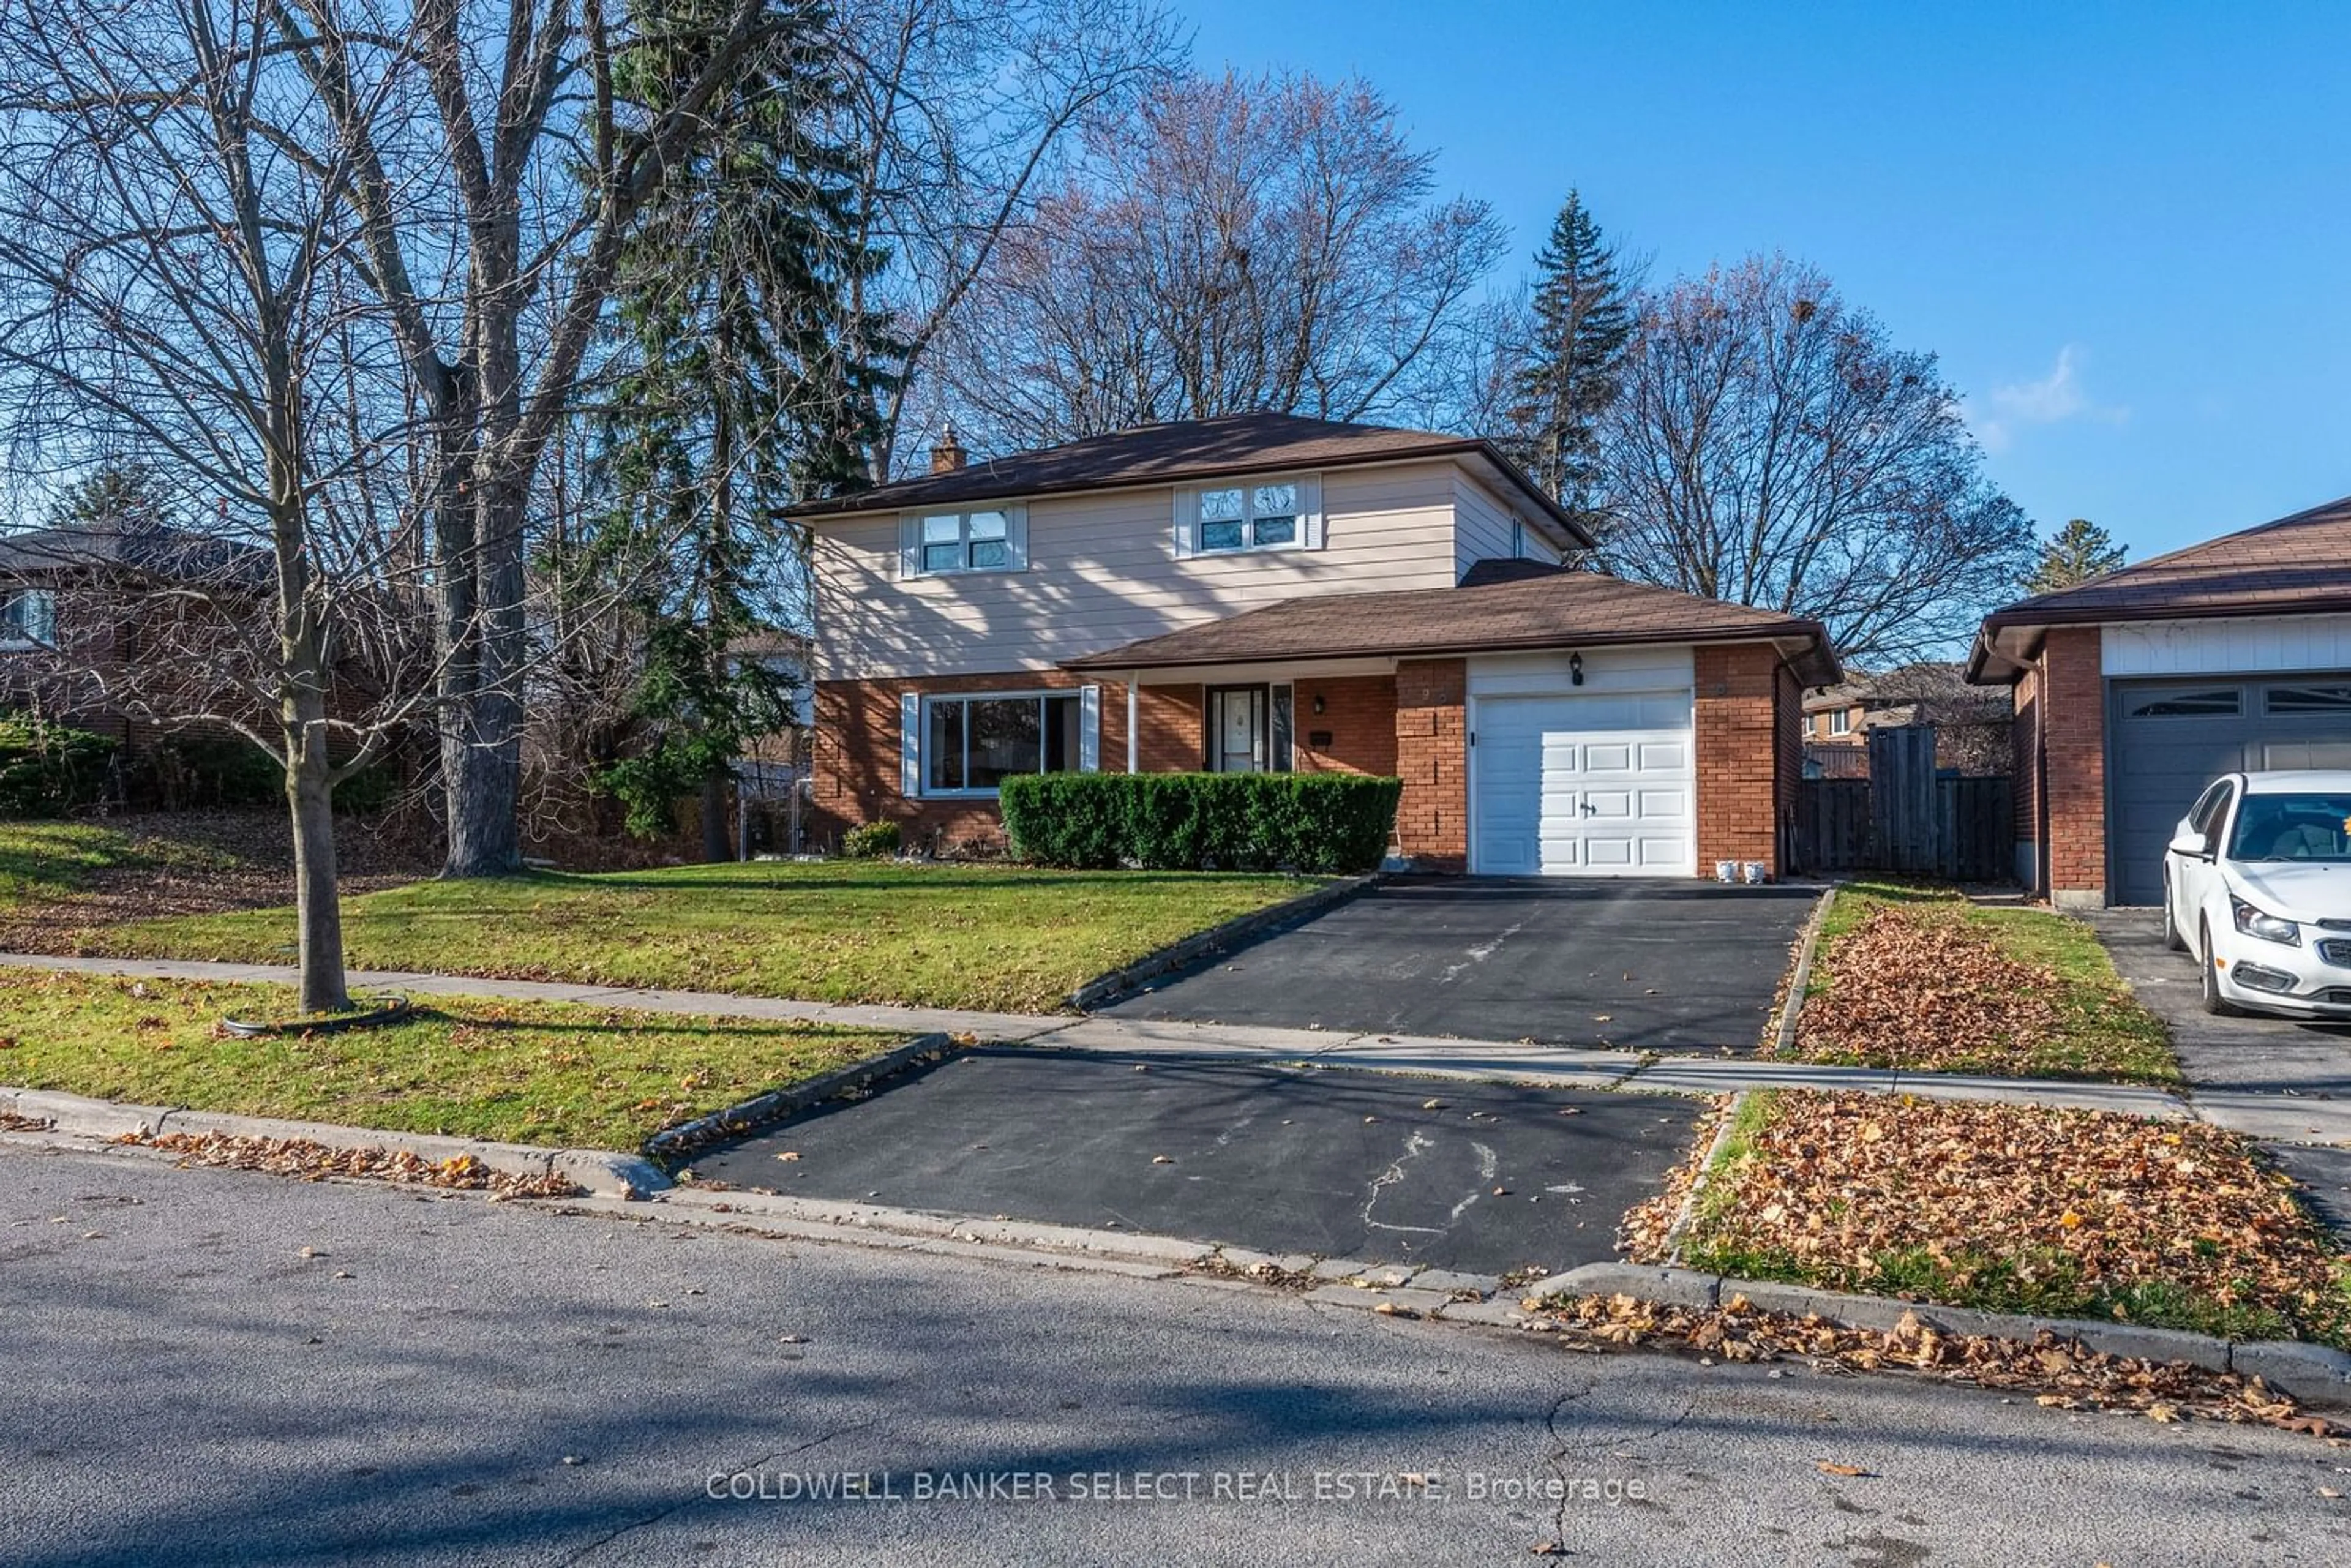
x: 1553, y: 609
x: 1183, y: 450
x: 2298, y: 565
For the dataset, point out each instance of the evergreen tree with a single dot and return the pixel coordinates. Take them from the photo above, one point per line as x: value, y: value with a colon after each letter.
x: 1582, y: 314
x: 756, y: 382
x: 123, y: 499
x: 2080, y: 552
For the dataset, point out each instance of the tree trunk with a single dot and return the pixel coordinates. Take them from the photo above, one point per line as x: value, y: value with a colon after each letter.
x: 318, y: 910
x: 715, y: 845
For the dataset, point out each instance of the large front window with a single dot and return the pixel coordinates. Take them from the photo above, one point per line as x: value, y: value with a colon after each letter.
x: 2296, y: 827
x: 971, y: 745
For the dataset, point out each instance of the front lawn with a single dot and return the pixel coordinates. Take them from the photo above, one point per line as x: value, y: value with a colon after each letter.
x: 2011, y: 1208
x: 525, y: 1072
x: 41, y: 862
x: 1923, y: 979
x: 987, y: 936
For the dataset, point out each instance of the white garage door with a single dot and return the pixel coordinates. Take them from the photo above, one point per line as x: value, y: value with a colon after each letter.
x: 1583, y: 786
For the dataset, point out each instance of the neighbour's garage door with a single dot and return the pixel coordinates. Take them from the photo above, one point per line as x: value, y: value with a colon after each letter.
x: 1583, y: 786
x: 2171, y: 736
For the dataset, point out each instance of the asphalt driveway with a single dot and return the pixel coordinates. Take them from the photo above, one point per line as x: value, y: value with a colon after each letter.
x: 1639, y: 964
x: 2278, y: 1054
x: 1478, y: 1177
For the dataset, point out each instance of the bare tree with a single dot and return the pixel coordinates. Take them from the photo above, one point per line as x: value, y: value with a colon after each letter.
x: 1244, y: 243
x: 495, y: 186
x: 1769, y: 446
x: 964, y: 113
x: 178, y: 281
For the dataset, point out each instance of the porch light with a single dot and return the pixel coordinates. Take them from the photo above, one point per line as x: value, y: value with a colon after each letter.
x: 1318, y: 702
x: 1575, y: 669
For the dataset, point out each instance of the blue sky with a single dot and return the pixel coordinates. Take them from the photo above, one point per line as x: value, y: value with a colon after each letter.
x: 2126, y: 229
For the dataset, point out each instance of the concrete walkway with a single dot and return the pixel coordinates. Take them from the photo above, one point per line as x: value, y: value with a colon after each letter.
x: 2275, y: 1116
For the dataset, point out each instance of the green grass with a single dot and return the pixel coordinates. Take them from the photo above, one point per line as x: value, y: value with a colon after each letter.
x: 2106, y: 1033
x: 529, y: 1072
x: 48, y: 860
x: 985, y: 936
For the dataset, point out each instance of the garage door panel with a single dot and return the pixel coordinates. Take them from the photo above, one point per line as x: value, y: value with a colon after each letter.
x: 2170, y: 737
x: 1585, y: 785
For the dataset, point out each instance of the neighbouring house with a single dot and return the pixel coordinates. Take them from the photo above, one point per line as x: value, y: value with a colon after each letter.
x: 1971, y: 724
x: 109, y: 628
x: 1266, y: 592
x: 2131, y: 690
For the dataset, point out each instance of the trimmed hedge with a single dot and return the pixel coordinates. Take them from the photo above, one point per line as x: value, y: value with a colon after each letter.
x: 1319, y: 823
x: 47, y: 770
x: 872, y: 841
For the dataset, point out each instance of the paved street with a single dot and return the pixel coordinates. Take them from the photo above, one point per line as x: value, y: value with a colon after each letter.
x: 185, y: 1386
x: 1563, y: 960
x: 1480, y: 1177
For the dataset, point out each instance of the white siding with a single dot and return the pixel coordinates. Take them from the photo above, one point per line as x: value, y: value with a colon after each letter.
x: 1669, y: 668
x: 2226, y: 646
x: 1485, y: 528
x: 1103, y: 572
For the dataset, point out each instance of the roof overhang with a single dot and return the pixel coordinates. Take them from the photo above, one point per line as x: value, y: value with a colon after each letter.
x: 1480, y: 457
x: 1803, y: 646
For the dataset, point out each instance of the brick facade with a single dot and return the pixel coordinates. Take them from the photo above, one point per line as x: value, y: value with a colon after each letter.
x: 1432, y: 757
x: 2025, y: 768
x: 1359, y: 715
x: 1742, y: 731
x: 2074, y: 778
x: 1413, y: 726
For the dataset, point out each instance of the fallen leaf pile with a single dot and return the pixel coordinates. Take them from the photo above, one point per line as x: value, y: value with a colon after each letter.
x: 1646, y: 1232
x: 310, y: 1161
x: 1926, y: 992
x: 12, y: 1123
x: 2060, y: 1373
x: 1837, y: 1184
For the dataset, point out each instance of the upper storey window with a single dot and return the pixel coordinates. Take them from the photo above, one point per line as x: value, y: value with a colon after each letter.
x: 1236, y: 517
x: 986, y: 538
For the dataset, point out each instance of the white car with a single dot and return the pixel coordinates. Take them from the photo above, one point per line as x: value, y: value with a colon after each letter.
x: 2257, y: 885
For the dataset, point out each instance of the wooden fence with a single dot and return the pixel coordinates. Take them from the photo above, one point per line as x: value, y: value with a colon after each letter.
x: 1906, y: 817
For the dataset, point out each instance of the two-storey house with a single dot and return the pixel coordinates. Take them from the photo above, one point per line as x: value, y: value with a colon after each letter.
x: 1271, y: 592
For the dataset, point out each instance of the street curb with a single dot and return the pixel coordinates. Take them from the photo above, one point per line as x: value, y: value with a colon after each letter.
x: 813, y: 1218
x: 2318, y: 1375
x: 688, y: 1138
x: 1688, y: 1214
x: 1792, y: 1007
x: 598, y: 1171
x: 1176, y: 955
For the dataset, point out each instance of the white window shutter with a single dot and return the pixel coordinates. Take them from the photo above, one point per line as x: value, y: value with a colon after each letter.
x: 1090, y: 729
x: 910, y: 745
x: 1309, y: 505
x: 910, y: 546
x: 1187, y: 513
x: 1015, y: 538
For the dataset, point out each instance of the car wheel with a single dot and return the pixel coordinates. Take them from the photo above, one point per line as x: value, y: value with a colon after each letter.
x: 2215, y: 1003
x: 2172, y: 939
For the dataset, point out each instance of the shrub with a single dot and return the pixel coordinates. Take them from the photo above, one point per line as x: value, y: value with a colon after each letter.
x: 1320, y: 823
x: 367, y: 791
x: 47, y: 768
x: 209, y: 770
x: 873, y: 841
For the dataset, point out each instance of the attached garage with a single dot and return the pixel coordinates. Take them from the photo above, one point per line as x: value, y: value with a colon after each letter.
x: 2133, y: 689
x: 1598, y: 781
x: 2171, y: 736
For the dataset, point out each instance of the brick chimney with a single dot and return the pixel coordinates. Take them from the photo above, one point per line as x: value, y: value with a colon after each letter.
x: 948, y: 455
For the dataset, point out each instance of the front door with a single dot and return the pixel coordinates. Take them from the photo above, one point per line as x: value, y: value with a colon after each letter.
x: 1237, y: 730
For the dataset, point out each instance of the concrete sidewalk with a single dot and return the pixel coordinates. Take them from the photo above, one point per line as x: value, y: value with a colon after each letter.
x: 2277, y: 1117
